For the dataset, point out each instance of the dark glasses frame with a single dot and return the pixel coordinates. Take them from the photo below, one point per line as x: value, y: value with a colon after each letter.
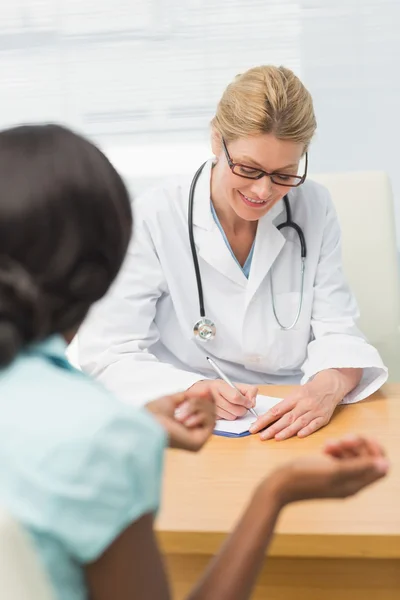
x: 232, y: 165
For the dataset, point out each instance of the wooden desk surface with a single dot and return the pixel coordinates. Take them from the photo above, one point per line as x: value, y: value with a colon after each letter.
x: 205, y: 493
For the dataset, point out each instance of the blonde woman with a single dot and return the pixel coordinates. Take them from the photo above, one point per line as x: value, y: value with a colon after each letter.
x: 242, y: 263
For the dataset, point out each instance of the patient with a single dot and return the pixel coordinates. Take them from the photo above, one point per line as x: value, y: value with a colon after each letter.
x: 78, y: 469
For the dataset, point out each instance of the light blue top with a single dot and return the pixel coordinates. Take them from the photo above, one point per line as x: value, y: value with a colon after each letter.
x: 76, y: 466
x: 247, y: 265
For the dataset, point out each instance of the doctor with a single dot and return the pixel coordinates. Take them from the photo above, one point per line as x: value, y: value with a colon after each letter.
x: 270, y: 300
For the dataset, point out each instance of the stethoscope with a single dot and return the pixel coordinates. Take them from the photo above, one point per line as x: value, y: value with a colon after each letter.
x: 204, y: 329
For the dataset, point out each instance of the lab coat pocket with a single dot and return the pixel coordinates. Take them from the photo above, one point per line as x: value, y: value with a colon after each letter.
x: 290, y: 345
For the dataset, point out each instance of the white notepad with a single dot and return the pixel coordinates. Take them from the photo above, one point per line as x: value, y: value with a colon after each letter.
x: 242, y: 425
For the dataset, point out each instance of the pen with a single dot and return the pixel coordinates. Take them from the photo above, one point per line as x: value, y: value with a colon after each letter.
x: 228, y: 381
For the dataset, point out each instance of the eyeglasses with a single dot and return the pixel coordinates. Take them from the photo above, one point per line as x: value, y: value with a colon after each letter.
x: 247, y: 172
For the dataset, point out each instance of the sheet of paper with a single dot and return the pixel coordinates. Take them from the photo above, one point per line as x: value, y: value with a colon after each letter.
x: 242, y: 425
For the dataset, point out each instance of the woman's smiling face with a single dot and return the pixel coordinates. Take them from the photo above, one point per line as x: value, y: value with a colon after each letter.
x: 251, y: 199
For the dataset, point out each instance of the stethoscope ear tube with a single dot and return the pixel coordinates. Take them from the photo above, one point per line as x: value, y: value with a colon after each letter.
x: 303, y: 253
x: 191, y: 240
x: 204, y: 329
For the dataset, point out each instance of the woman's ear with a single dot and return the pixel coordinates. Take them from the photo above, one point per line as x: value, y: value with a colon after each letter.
x: 216, y: 143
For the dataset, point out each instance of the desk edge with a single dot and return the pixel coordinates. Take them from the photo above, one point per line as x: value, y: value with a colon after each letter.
x: 299, y: 545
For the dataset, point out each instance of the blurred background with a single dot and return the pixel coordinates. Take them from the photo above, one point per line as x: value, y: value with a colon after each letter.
x: 142, y: 77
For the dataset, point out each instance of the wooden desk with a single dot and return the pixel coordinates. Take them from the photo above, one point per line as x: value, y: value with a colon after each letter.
x: 323, y: 550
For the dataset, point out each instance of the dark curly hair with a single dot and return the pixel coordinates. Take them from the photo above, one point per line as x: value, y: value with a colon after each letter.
x: 65, y: 224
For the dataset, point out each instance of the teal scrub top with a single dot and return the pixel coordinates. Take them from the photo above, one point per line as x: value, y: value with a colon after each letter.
x: 77, y: 466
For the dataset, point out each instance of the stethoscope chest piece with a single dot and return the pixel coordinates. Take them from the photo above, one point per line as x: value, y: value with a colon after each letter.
x: 204, y: 329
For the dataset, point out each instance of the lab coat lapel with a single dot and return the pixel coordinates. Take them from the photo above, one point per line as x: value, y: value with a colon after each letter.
x: 268, y: 244
x: 209, y: 242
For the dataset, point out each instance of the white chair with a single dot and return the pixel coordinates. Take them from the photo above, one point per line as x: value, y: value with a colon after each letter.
x: 21, y: 575
x: 364, y: 203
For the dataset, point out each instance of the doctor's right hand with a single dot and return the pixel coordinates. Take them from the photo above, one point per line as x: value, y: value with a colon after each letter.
x: 229, y: 403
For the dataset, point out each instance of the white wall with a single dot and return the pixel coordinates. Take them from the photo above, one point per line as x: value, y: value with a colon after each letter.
x: 147, y: 74
x: 350, y: 57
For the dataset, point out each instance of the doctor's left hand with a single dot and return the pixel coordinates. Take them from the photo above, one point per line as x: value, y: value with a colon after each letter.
x: 304, y: 411
x: 188, y: 418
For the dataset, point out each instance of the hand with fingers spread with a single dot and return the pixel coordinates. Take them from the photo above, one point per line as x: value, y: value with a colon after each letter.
x: 301, y: 413
x: 188, y: 418
x: 229, y: 403
x: 345, y: 467
x: 309, y: 407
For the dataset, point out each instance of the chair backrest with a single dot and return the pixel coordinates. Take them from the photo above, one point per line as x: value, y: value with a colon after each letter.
x: 21, y: 575
x: 364, y: 203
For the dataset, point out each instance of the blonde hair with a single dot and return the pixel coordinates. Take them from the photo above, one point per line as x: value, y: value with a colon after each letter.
x: 266, y: 99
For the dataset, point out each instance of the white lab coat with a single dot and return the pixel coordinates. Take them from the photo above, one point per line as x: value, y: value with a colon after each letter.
x: 139, y: 340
